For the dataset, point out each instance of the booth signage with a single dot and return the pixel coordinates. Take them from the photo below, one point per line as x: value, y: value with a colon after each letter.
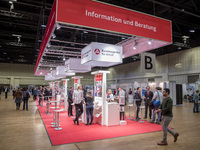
x: 148, y: 63
x: 97, y: 53
x: 75, y: 80
x: 103, y: 16
x: 98, y: 77
x: 64, y: 82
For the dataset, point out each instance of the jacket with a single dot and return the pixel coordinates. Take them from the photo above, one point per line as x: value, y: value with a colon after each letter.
x: 166, y: 107
x: 150, y: 95
x: 138, y: 97
x: 69, y: 94
x: 18, y: 94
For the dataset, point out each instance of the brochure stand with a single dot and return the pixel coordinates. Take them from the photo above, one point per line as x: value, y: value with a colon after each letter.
x: 103, y: 109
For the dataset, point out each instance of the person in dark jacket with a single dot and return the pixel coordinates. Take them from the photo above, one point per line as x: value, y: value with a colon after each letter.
x: 26, y: 96
x: 148, y: 97
x: 167, y: 115
x: 138, y: 98
x: 89, y: 107
x: 34, y: 94
x: 70, y: 94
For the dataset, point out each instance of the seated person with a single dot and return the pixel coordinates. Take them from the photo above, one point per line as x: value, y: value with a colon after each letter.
x: 89, y: 106
x: 110, y: 97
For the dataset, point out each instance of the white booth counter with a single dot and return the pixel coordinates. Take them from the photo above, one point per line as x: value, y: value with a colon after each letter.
x: 112, y: 113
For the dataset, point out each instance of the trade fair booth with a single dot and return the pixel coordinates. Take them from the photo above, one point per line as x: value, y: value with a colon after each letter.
x: 137, y: 33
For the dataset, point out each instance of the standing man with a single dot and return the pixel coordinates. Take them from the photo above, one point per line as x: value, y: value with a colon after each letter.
x: 148, y: 97
x: 138, y: 99
x: 166, y: 109
x: 70, y: 94
x: 196, y: 100
x: 6, y: 92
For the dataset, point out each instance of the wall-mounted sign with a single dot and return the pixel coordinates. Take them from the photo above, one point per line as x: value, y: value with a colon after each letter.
x: 148, y: 63
x: 75, y: 80
x: 60, y: 71
x: 98, y: 77
x: 101, y: 54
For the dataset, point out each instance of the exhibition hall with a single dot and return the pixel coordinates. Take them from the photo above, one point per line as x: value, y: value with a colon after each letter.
x: 99, y: 74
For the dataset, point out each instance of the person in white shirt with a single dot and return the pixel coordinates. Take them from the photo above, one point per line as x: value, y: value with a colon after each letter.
x: 121, y: 102
x: 157, y: 96
x: 77, y: 99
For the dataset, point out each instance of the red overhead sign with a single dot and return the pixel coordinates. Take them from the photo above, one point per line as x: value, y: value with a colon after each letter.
x: 112, y: 18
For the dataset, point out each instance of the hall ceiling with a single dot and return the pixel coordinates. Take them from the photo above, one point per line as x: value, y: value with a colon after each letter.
x: 22, y: 28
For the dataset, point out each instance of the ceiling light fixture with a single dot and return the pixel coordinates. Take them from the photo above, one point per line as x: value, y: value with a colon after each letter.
x: 149, y: 42
x: 43, y: 25
x: 58, y: 26
x: 53, y: 36
x: 136, y: 43
x: 64, y: 58
x: 192, y: 31
x: 85, y: 32
x: 48, y: 45
x: 179, y: 48
x: 51, y: 68
x: 40, y: 72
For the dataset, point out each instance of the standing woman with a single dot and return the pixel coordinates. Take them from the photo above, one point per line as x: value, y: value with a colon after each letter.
x: 18, y: 98
x: 89, y: 107
x: 78, y: 98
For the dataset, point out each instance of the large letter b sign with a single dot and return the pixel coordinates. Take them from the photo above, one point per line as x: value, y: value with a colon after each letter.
x: 148, y: 63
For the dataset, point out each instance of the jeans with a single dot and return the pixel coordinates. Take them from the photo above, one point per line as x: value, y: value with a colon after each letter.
x: 89, y: 110
x: 196, y: 106
x: 25, y: 103
x: 70, y: 108
x: 79, y: 111
x: 138, y: 109
x: 165, y: 122
x: 146, y: 108
x: 154, y: 115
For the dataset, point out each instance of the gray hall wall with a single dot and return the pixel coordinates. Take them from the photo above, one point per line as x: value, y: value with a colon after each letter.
x: 165, y: 69
x: 16, y: 74
x: 19, y: 74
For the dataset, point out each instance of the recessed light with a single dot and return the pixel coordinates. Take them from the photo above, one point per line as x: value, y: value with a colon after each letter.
x: 149, y: 42
x: 85, y: 32
x: 39, y: 40
x: 179, y: 48
x: 134, y: 47
x: 43, y: 25
x: 4, y: 53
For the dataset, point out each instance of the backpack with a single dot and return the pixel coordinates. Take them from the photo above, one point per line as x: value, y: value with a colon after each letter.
x: 27, y: 94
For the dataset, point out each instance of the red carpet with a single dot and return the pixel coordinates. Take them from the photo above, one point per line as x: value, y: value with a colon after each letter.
x: 71, y: 133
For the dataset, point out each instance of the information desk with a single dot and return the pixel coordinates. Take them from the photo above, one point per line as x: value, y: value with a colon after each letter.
x: 112, y: 114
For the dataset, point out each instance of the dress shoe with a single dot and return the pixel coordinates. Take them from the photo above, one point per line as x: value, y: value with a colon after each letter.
x: 162, y: 143
x: 87, y: 124
x: 176, y: 136
x: 74, y: 121
x: 157, y: 122
x: 69, y: 115
x: 90, y: 123
x: 151, y: 122
x: 72, y: 115
x: 145, y: 117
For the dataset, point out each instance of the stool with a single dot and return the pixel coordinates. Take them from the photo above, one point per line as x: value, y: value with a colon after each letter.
x: 141, y: 107
x: 129, y: 105
x: 57, y: 119
x: 47, y: 112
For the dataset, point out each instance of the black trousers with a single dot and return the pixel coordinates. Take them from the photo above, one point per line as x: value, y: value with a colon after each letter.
x: 25, y: 104
x: 34, y: 97
x: 138, y: 109
x: 147, y: 107
x: 79, y: 111
x: 122, y: 113
x: 70, y: 108
x: 6, y: 95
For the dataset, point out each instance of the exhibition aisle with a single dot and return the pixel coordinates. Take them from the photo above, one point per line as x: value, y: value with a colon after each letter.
x: 71, y: 133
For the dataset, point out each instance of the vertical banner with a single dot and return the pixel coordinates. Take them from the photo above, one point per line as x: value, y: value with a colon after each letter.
x: 148, y: 63
x: 75, y: 80
x: 98, y: 85
x: 64, y: 83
